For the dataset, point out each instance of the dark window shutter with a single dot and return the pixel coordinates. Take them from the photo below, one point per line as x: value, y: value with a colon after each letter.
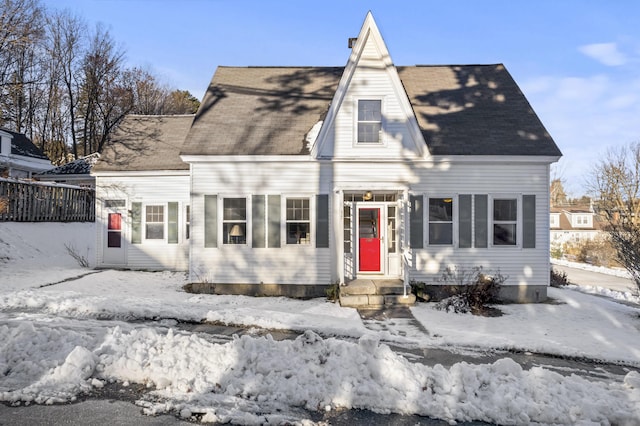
x: 136, y: 223
x: 464, y: 221
x: 322, y: 221
x: 211, y: 221
x: 172, y: 223
x: 528, y: 221
x: 257, y: 221
x: 480, y: 219
x: 416, y: 221
x: 273, y: 236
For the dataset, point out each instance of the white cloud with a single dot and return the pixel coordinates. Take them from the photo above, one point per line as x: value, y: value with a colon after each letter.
x: 605, y: 53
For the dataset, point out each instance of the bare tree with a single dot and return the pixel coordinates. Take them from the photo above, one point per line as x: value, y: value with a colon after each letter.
x: 106, y: 96
x: 149, y: 95
x: 21, y: 31
x: 615, y: 184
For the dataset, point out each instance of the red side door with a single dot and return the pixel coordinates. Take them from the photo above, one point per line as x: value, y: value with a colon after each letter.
x: 369, y: 239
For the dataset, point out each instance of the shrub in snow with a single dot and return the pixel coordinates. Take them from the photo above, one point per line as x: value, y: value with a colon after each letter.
x: 470, y: 290
x: 558, y: 279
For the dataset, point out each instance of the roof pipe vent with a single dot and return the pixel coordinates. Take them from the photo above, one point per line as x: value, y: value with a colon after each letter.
x: 352, y: 42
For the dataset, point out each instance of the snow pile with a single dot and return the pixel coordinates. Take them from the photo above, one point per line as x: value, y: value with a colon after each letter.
x: 44, y: 364
x: 35, y: 254
x: 625, y: 296
x: 617, y: 272
x: 573, y: 324
x: 252, y: 380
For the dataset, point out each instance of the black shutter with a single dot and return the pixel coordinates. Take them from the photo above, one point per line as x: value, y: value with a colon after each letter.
x: 480, y: 219
x: 416, y: 221
x: 528, y: 221
x: 273, y: 212
x: 257, y: 221
x: 172, y: 223
x: 211, y: 221
x: 322, y: 221
x: 464, y: 221
x: 136, y: 223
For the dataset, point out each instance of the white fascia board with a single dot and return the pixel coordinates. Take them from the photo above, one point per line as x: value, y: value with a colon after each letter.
x: 479, y: 159
x: 141, y: 173
x: 30, y: 163
x: 246, y: 158
x: 520, y: 159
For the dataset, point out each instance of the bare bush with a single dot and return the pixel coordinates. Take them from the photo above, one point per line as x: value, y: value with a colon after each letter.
x: 73, y: 252
x: 471, y: 290
x: 615, y: 183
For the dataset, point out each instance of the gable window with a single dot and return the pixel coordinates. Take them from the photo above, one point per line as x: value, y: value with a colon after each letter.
x: 441, y: 221
x: 154, y: 222
x: 234, y: 221
x: 369, y: 121
x: 505, y: 221
x: 298, y: 222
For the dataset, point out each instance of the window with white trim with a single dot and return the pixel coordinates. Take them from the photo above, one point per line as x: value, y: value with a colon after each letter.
x: 505, y: 221
x: 441, y: 221
x: 234, y: 221
x: 298, y: 221
x: 154, y: 222
x: 369, y: 120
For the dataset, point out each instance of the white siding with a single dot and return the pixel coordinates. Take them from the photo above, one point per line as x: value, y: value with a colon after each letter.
x: 522, y: 266
x: 299, y: 264
x: 371, y: 80
x: 150, y: 254
x: 308, y: 265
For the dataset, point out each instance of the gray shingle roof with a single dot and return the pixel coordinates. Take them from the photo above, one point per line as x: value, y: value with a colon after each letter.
x: 474, y: 110
x: 461, y: 110
x: 261, y: 110
x: 22, y: 145
x: 146, y: 142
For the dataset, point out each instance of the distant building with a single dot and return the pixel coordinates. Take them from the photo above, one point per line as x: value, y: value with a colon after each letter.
x: 573, y: 224
x: 19, y: 157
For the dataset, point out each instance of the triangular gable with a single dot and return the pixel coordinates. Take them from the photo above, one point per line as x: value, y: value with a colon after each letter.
x: 369, y: 38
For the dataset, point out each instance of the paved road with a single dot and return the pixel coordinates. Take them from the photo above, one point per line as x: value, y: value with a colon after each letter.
x: 590, y: 278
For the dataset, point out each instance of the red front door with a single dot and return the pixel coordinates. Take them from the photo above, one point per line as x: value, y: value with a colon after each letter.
x: 369, y: 239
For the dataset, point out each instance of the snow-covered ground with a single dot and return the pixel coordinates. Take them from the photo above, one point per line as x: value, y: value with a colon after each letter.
x: 58, y: 341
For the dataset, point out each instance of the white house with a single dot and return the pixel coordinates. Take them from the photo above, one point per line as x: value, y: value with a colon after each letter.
x: 142, y: 195
x: 573, y: 225
x: 294, y: 178
x: 19, y: 157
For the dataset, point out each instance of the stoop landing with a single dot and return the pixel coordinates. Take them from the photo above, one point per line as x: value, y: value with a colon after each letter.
x: 374, y: 293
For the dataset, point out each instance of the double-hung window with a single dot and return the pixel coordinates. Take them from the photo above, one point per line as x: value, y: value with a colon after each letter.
x: 505, y: 221
x: 298, y: 221
x: 441, y: 221
x: 234, y: 221
x: 369, y: 121
x: 154, y: 222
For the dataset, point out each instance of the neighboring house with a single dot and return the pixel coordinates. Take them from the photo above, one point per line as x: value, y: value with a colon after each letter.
x: 573, y: 225
x: 302, y: 177
x: 19, y: 157
x: 77, y: 172
x: 142, y: 195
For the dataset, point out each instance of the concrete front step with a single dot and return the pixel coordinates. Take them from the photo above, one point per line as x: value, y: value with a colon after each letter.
x: 375, y: 300
x: 363, y: 293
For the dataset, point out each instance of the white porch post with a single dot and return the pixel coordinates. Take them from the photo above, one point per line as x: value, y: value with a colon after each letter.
x: 338, y: 232
x: 405, y: 239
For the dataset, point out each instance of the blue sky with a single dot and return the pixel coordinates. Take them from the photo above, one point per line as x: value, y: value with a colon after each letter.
x: 577, y: 61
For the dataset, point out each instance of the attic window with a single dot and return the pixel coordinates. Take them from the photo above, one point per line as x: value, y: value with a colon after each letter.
x: 369, y: 121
